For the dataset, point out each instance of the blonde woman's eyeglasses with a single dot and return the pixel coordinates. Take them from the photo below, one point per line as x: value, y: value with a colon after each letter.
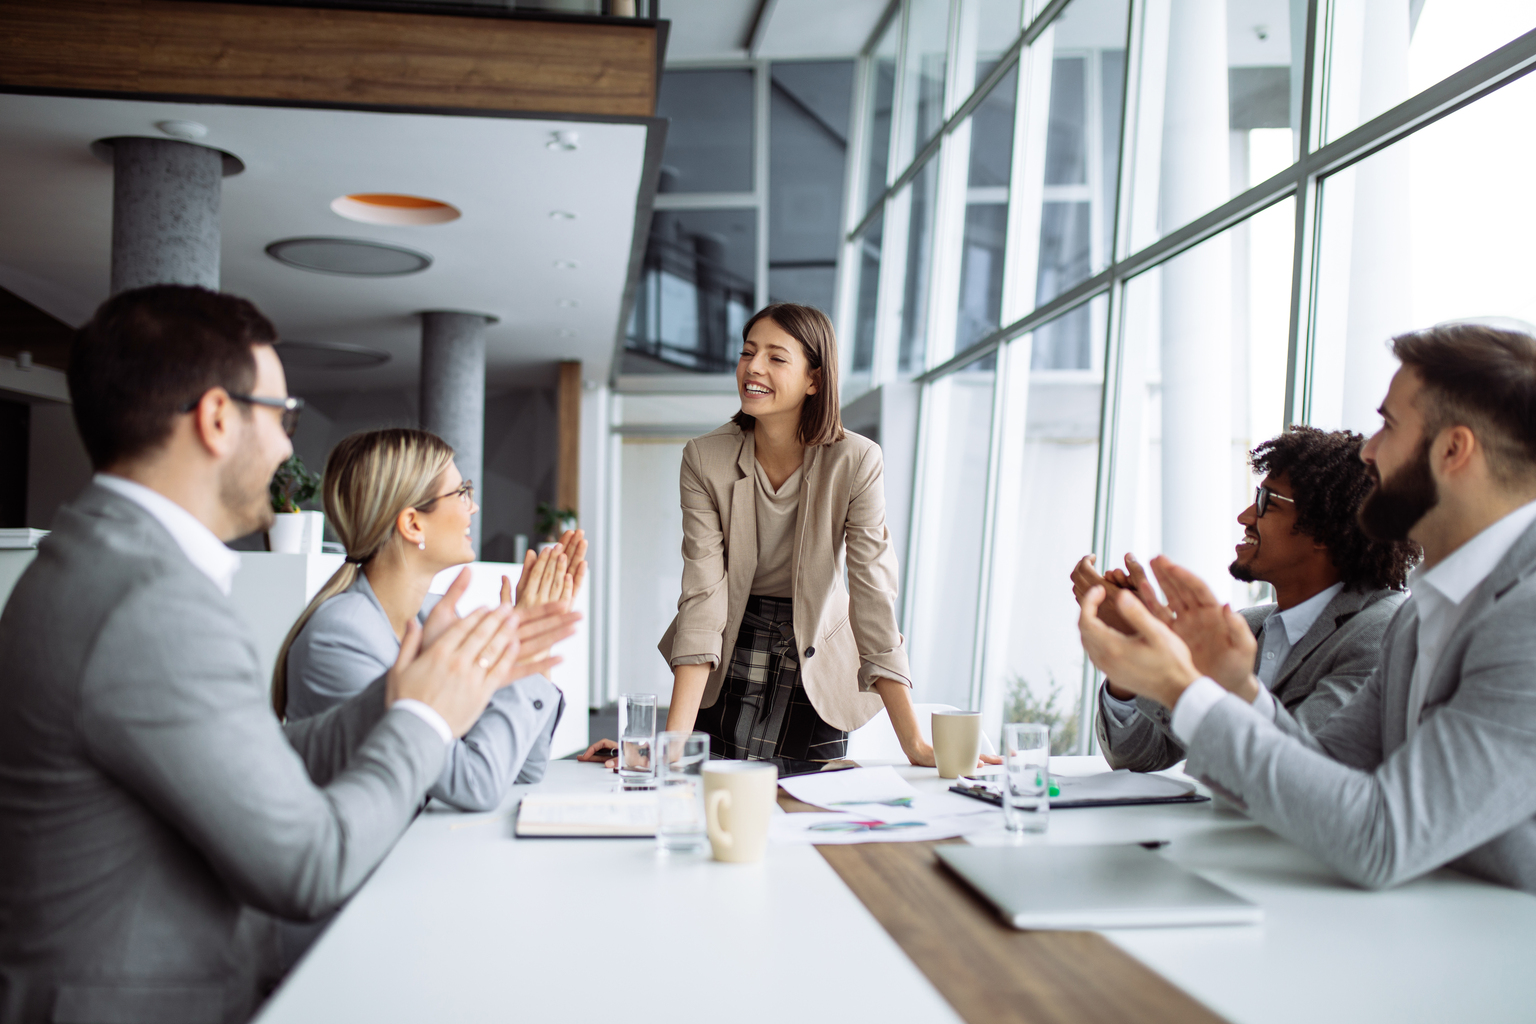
x: 465, y: 492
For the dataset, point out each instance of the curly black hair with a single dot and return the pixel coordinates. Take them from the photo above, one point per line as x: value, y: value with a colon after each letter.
x: 1329, y: 482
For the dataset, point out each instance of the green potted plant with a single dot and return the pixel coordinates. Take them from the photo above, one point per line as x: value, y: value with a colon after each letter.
x: 294, y: 531
x: 552, y: 522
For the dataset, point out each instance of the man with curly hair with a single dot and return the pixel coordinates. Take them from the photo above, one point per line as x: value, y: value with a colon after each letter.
x: 1335, y: 591
x: 1430, y: 765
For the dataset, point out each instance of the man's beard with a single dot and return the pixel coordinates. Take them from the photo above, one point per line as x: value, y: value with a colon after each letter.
x: 1396, y: 505
x: 243, y: 491
x: 1241, y: 572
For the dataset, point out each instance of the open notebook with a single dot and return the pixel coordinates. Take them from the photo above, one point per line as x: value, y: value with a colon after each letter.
x: 589, y: 815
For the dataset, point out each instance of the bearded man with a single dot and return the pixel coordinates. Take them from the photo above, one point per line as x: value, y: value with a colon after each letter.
x: 1430, y: 764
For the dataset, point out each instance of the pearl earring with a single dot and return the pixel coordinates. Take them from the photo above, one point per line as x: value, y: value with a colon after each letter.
x: 422, y: 545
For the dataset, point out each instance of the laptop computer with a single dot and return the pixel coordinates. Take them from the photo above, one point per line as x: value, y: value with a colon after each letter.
x: 1094, y: 887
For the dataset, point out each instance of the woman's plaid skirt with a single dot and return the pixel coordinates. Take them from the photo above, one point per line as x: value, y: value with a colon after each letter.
x: 763, y: 712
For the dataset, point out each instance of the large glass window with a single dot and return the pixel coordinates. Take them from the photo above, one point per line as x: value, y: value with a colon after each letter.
x: 1044, y: 523
x: 866, y: 317
x: 709, y: 138
x: 986, y: 213
x: 703, y: 269
x: 1380, y: 52
x: 927, y: 62
x: 1203, y: 367
x: 697, y: 291
x: 880, y: 112
x: 921, y: 199
x: 944, y: 583
x: 1431, y: 229
x: 1211, y: 73
x: 808, y: 144
x: 1079, y: 65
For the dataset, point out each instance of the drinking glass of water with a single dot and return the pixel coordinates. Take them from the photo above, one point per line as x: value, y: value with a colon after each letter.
x: 680, y: 759
x: 1026, y: 776
x: 637, y: 735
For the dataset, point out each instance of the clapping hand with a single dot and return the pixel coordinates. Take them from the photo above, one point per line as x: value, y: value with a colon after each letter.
x: 537, y: 628
x: 1219, y: 640
x: 554, y: 575
x: 1150, y: 660
x: 1133, y: 578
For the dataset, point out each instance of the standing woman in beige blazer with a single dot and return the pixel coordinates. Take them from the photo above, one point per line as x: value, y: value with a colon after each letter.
x: 771, y: 654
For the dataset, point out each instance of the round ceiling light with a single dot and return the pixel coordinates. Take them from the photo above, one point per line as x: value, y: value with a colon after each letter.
x: 329, y: 355
x: 392, y: 208
x: 356, y: 257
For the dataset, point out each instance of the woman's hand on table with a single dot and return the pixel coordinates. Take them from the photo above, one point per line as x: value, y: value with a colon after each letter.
x: 603, y: 750
x: 920, y: 753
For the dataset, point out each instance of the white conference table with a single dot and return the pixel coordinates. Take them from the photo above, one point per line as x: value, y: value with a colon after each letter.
x: 463, y: 921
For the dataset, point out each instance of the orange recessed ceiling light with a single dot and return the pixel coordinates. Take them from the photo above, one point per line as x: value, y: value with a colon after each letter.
x: 392, y: 208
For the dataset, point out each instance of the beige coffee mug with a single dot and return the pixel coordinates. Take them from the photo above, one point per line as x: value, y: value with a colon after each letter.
x: 956, y: 742
x: 738, y: 800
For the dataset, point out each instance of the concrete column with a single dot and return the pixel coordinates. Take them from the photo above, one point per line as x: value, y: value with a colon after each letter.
x: 165, y: 213
x: 453, y: 390
x: 1196, y: 346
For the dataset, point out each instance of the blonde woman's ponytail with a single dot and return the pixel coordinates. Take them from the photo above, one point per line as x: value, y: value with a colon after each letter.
x: 370, y: 478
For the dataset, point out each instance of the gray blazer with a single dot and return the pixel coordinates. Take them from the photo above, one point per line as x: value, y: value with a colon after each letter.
x: 1323, y: 670
x: 349, y: 642
x: 153, y: 813
x: 1379, y: 808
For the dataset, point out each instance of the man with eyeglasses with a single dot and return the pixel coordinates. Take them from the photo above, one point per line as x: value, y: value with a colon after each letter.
x: 155, y: 817
x: 1335, y: 591
x: 1430, y: 765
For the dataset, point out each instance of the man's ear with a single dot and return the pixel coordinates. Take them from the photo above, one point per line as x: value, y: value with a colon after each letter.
x: 1455, y: 449
x: 212, y: 422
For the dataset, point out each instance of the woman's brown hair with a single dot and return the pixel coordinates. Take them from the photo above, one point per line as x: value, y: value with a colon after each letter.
x: 370, y: 478
x: 821, y: 417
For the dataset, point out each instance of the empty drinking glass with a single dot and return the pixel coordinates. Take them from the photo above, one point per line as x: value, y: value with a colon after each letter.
x: 637, y: 735
x: 1026, y: 776
x: 680, y: 758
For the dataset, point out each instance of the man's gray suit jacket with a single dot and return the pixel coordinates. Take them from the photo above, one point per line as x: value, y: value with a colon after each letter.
x: 1322, y: 671
x: 154, y: 816
x: 348, y: 643
x: 1378, y: 807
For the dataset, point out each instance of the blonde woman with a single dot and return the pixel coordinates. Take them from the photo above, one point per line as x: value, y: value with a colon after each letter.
x: 771, y: 654
x: 401, y: 509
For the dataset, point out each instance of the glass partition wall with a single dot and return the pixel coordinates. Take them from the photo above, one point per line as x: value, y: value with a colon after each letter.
x: 1117, y: 243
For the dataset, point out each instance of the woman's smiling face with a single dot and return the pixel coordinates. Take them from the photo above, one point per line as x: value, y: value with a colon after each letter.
x: 773, y: 375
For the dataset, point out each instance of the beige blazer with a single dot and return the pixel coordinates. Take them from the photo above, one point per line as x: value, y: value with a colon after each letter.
x: 846, y: 641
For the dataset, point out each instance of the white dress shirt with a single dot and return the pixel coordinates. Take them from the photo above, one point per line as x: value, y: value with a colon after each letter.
x: 1437, y: 594
x: 214, y: 559
x: 1278, y: 642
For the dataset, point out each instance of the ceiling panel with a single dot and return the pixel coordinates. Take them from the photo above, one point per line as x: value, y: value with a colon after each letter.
x: 506, y: 256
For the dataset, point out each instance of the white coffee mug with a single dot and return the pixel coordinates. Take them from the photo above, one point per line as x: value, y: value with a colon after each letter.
x: 956, y: 742
x: 738, y: 801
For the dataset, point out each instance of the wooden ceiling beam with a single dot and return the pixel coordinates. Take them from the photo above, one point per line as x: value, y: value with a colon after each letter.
x: 344, y: 57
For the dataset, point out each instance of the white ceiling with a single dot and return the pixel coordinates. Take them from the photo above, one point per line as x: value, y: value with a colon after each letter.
x: 499, y: 258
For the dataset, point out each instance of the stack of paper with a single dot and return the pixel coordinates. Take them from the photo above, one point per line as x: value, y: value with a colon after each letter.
x: 875, y: 805
x: 21, y: 538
